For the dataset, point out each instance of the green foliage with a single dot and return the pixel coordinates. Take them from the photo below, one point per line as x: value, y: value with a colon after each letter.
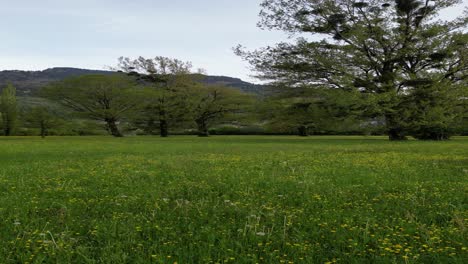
x: 232, y: 199
x: 41, y: 118
x: 238, y: 130
x: 8, y: 109
x: 433, y: 112
x: 375, y: 47
x: 162, y: 109
x: 211, y: 105
x: 175, y: 96
x: 168, y: 82
x: 307, y: 110
x: 105, y: 98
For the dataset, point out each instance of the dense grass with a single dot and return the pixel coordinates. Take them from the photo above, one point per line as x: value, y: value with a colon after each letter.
x: 232, y: 199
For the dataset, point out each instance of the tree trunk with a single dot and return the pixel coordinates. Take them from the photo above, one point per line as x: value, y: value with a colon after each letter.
x: 163, y: 128
x: 43, y: 130
x: 394, y: 129
x: 6, y: 125
x: 202, y: 128
x: 302, y: 131
x: 7, y: 130
x: 113, y: 129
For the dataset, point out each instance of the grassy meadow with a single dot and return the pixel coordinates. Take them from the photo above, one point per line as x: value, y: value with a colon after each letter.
x: 233, y: 199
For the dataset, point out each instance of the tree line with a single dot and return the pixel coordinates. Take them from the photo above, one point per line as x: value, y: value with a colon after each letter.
x: 149, y: 95
x: 375, y: 67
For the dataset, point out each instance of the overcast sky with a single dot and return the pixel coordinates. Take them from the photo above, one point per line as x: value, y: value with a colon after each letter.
x: 40, y: 34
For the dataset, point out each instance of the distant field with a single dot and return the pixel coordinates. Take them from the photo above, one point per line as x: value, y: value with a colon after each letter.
x: 233, y: 199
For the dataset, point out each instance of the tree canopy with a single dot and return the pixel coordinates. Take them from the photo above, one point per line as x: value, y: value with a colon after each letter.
x: 106, y: 98
x: 167, y: 81
x: 387, y: 48
x: 215, y: 104
x: 8, y: 109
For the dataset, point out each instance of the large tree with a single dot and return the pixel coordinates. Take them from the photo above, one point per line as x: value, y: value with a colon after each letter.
x: 388, y: 48
x: 308, y: 111
x: 8, y: 109
x: 435, y: 111
x: 215, y: 104
x: 105, y: 98
x: 41, y: 117
x: 167, y: 81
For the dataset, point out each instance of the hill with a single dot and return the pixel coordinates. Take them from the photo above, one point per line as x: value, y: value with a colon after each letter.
x: 235, y: 83
x: 27, y: 82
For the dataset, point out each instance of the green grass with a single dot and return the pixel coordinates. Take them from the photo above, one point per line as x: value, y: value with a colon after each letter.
x: 232, y: 199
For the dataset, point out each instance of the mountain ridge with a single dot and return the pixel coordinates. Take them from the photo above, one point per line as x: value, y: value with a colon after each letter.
x: 28, y: 82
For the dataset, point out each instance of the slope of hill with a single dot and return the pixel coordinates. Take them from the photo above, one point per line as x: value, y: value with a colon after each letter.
x: 27, y: 82
x: 235, y: 83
